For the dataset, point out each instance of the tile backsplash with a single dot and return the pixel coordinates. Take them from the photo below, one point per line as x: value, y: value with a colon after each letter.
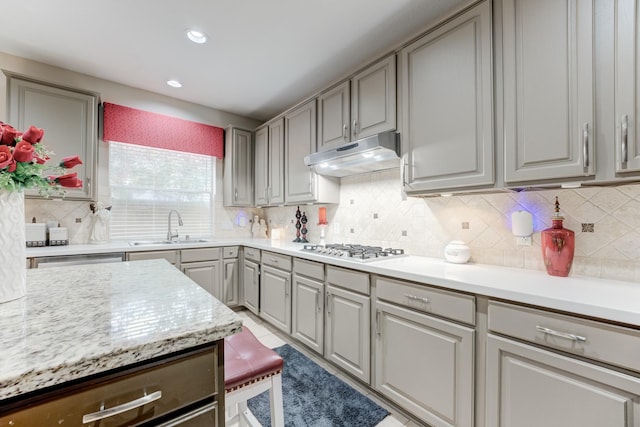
x: 373, y: 211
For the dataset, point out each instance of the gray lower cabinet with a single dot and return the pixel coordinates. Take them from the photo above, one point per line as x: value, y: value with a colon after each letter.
x: 447, y: 109
x: 530, y: 386
x: 556, y: 370
x: 425, y: 363
x: 275, y: 290
x: 348, y: 323
x: 230, y: 286
x: 204, y: 266
x: 251, y: 279
x: 307, y: 305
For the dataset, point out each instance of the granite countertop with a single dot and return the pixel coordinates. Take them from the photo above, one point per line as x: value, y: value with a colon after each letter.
x: 610, y: 300
x: 88, y: 319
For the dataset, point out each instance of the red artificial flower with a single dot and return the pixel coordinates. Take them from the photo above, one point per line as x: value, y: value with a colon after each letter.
x: 9, y: 135
x: 40, y: 160
x: 23, y: 152
x: 6, y: 159
x: 71, y: 161
x: 69, y: 180
x: 33, y: 135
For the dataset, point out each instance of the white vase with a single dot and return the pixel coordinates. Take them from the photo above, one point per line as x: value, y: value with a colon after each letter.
x: 13, y: 268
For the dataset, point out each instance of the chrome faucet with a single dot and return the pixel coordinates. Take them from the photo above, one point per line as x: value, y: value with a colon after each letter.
x: 171, y: 235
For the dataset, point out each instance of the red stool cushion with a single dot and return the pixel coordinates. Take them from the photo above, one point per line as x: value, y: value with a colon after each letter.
x: 246, y: 360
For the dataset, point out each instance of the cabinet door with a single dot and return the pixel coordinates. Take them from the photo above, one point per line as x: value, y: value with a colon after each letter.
x: 307, y: 312
x: 275, y: 297
x: 548, y: 89
x: 206, y: 274
x: 230, y: 282
x: 276, y: 163
x: 70, y: 122
x: 238, y: 168
x: 347, y: 340
x: 627, y: 86
x: 300, y: 133
x: 261, y: 184
x: 425, y: 364
x: 251, y: 286
x: 447, y: 125
x: 333, y: 117
x: 373, y: 99
x: 529, y: 386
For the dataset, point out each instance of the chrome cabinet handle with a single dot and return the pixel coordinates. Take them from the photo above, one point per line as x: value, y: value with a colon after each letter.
x: 286, y: 288
x: 566, y: 335
x: 236, y: 195
x: 355, y: 127
x: 625, y: 139
x: 328, y: 303
x: 345, y: 131
x: 378, y: 322
x: 416, y: 298
x: 106, y: 413
x: 585, y: 144
x: 317, y: 299
x: 273, y: 260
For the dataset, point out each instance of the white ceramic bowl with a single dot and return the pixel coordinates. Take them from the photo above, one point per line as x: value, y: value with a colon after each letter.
x: 457, y: 252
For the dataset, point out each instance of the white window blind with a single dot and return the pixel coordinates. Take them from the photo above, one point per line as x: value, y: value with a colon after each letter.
x: 146, y: 183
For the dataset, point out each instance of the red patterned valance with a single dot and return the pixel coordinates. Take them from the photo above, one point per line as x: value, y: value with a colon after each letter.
x: 125, y: 124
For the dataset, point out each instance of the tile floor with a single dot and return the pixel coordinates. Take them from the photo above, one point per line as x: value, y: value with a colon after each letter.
x: 272, y: 338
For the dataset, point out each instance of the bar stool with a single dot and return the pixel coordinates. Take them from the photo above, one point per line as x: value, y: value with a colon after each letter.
x: 250, y: 368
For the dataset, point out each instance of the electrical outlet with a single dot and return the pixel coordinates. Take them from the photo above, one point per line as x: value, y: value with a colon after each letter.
x: 588, y: 227
x: 336, y: 228
x: 523, y: 241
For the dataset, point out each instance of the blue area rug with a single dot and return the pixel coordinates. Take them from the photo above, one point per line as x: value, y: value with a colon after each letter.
x: 314, y: 397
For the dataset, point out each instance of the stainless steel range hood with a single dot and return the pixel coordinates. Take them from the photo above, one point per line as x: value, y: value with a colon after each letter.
x: 369, y: 154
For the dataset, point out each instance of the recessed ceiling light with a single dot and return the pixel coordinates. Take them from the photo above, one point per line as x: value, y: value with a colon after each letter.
x: 197, y: 36
x: 174, y: 83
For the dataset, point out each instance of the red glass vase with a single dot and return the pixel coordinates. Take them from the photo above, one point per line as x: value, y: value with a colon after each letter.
x: 558, y: 246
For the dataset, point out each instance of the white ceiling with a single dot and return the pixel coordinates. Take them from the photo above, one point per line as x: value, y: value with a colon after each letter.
x: 262, y: 56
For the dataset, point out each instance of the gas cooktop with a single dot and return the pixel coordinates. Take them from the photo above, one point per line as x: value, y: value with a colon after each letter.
x: 360, y: 253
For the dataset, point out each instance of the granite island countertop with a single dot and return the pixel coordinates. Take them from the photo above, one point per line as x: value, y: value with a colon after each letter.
x: 79, y: 321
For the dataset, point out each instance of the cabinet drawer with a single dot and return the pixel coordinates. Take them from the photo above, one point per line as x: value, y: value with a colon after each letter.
x: 230, y: 252
x: 179, y: 383
x: 171, y: 256
x: 204, y: 254
x: 349, y: 279
x: 430, y: 300
x: 277, y: 260
x: 607, y: 343
x: 252, y: 254
x: 312, y: 269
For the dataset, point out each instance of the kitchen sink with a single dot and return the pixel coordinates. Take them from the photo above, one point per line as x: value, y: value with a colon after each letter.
x: 167, y: 242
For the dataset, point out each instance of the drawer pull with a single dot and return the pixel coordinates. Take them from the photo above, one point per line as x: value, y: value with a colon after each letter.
x: 250, y: 253
x: 415, y: 298
x: 273, y: 260
x: 106, y: 413
x: 572, y: 337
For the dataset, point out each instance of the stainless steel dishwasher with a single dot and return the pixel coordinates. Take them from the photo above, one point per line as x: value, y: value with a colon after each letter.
x: 68, y: 260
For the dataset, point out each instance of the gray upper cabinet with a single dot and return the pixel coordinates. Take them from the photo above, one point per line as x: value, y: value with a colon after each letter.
x: 302, y: 185
x: 627, y: 49
x: 334, y: 116
x: 69, y: 118
x: 447, y: 108
x: 238, y: 168
x: 261, y: 152
x: 548, y: 53
x: 358, y: 108
x: 269, y: 164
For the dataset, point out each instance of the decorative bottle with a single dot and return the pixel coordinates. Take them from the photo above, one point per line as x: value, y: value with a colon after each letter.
x: 558, y: 245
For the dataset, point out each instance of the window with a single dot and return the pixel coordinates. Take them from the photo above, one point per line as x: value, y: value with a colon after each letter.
x: 147, y: 183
